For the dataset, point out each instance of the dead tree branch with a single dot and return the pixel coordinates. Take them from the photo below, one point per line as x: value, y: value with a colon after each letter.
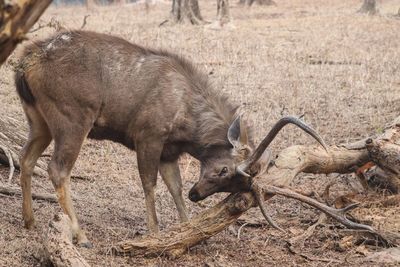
x: 288, y: 164
x: 15, y: 21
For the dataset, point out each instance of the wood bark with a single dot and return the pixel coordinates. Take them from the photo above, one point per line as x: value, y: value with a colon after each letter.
x: 288, y: 164
x: 58, y: 246
x: 186, y: 11
x: 15, y: 21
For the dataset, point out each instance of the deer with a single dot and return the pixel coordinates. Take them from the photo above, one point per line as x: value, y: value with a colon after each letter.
x: 76, y: 85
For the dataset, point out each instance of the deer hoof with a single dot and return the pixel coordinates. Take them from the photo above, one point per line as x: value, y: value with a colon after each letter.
x: 29, y: 224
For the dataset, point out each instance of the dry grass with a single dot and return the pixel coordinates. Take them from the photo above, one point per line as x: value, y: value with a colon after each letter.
x: 264, y: 64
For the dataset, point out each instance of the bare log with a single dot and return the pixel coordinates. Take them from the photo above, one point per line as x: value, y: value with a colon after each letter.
x: 180, y: 238
x: 15, y: 21
x: 58, y: 246
x: 289, y: 163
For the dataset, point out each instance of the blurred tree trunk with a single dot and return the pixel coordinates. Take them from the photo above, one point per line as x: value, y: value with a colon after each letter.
x: 368, y: 7
x: 16, y: 18
x: 186, y: 11
x: 223, y: 15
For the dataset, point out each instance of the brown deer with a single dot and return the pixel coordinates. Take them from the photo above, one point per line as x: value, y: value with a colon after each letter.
x: 83, y: 84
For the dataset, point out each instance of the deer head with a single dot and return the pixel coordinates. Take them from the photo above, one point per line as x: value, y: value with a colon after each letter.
x: 232, y: 169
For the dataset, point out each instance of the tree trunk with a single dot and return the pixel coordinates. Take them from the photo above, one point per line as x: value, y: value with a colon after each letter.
x: 186, y: 11
x: 15, y: 21
x: 368, y: 7
x: 223, y: 14
x: 383, y: 151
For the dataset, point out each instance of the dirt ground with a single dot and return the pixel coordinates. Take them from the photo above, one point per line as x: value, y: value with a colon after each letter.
x: 319, y: 58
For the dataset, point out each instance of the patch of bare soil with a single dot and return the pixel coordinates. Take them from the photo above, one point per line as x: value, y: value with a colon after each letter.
x: 276, y: 62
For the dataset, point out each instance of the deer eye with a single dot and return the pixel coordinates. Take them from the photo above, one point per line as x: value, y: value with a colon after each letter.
x: 223, y: 171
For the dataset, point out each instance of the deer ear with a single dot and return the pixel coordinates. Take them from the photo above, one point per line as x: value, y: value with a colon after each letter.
x: 234, y: 132
x: 244, y: 138
x: 237, y: 133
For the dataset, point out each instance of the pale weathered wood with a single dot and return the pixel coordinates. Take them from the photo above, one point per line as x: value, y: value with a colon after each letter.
x: 58, y: 246
x: 17, y: 18
x: 289, y: 163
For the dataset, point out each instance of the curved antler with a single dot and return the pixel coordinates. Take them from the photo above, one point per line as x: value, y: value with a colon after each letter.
x: 246, y: 165
x: 257, y: 192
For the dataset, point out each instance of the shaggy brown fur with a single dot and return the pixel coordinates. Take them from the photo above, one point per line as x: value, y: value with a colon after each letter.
x: 80, y: 84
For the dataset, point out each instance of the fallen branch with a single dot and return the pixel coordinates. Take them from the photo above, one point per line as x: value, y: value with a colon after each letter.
x: 12, y: 191
x: 58, y: 246
x: 288, y: 164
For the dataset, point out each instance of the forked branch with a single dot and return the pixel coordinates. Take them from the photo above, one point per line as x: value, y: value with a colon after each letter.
x: 289, y: 163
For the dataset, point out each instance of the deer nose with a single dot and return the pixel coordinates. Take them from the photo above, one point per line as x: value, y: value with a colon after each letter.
x: 194, y: 195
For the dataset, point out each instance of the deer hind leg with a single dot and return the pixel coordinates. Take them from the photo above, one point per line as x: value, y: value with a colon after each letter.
x: 66, y: 150
x: 148, y: 157
x: 38, y: 140
x: 172, y: 177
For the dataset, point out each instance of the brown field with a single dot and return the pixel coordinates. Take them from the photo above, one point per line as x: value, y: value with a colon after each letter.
x: 265, y: 65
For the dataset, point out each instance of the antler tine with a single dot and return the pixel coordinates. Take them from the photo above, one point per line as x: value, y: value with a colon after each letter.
x: 338, y: 214
x: 242, y: 168
x: 260, y: 202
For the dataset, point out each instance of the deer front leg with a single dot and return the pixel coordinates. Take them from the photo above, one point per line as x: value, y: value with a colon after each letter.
x: 172, y: 177
x: 148, y: 157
